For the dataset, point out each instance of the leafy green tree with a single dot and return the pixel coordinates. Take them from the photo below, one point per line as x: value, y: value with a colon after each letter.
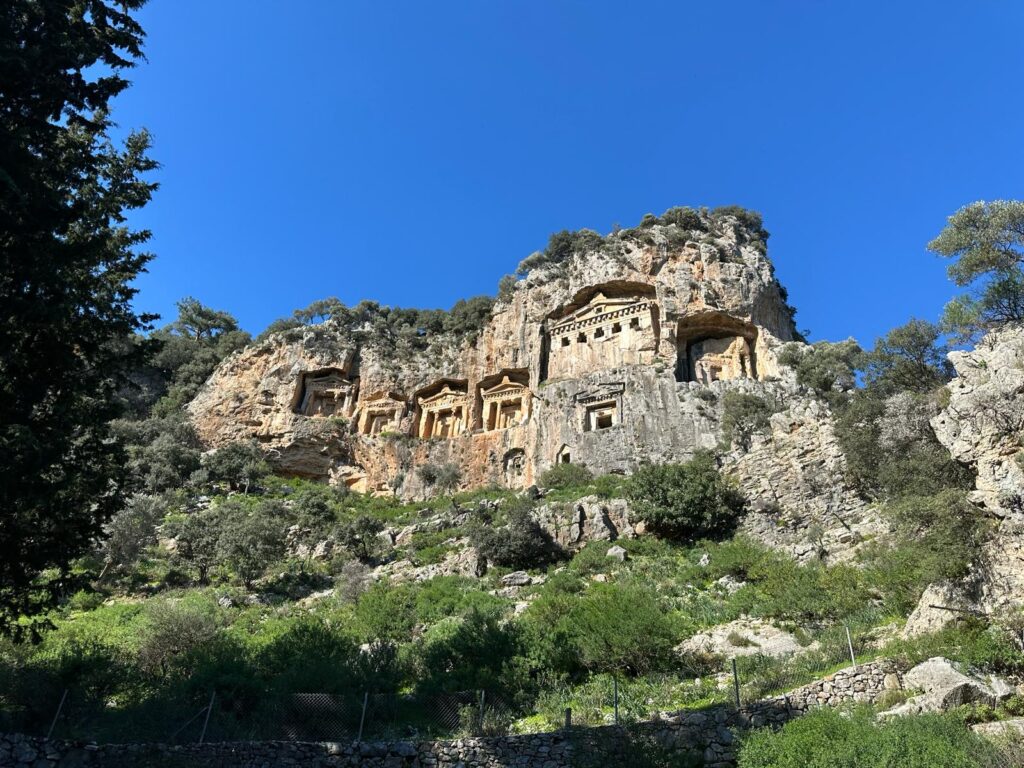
x: 67, y: 263
x: 190, y: 348
x: 240, y: 465
x: 444, y: 478
x: 360, y: 537
x: 685, y: 501
x: 387, y: 613
x: 197, y: 535
x: 250, y: 540
x: 174, y: 632
x: 163, y: 452
x: 910, y: 358
x: 474, y: 652
x: 133, y: 530
x: 986, y: 239
x: 828, y: 368
x: 520, y: 543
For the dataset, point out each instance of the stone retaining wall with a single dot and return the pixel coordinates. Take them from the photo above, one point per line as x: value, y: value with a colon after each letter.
x: 706, y: 735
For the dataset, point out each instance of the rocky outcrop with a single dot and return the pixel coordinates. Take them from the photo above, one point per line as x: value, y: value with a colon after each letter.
x: 573, y: 524
x: 983, y: 423
x: 743, y: 637
x: 944, y: 686
x: 983, y: 426
x: 595, y: 360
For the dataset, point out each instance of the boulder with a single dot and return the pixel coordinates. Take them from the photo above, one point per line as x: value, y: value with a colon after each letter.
x: 617, y: 553
x: 944, y: 686
x: 941, y: 604
x: 516, y: 579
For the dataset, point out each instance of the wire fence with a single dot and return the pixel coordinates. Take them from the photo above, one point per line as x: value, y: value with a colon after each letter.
x: 243, y: 714
x: 366, y: 716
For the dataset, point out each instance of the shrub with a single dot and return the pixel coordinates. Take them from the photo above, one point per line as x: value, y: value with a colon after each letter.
x: 685, y: 501
x: 445, y: 478
x: 560, y: 248
x: 936, y: 538
x: 621, y: 628
x: 133, y: 530
x: 520, y: 543
x: 250, y: 540
x: 174, y: 631
x: 360, y: 537
x: 825, y: 738
x: 829, y: 369
x: 565, y: 476
x: 743, y: 416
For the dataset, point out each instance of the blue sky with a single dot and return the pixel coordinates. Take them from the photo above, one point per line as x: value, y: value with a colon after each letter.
x: 414, y: 152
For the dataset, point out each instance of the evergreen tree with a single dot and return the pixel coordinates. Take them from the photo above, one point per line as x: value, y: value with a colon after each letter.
x: 67, y: 260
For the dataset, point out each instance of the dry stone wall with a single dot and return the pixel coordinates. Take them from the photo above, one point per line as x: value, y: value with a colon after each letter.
x: 707, y: 735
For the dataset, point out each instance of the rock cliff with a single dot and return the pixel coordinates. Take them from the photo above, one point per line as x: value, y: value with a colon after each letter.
x: 983, y: 426
x: 616, y: 355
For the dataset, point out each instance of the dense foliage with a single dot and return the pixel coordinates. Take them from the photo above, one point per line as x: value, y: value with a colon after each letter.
x: 685, y: 501
x: 68, y: 261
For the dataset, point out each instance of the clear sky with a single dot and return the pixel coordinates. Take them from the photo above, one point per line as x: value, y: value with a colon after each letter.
x: 413, y: 152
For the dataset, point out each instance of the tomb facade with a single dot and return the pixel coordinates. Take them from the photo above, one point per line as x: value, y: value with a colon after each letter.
x: 601, y: 406
x: 381, y: 412
x: 443, y: 414
x: 505, y: 404
x: 713, y: 346
x: 606, y: 332
x: 326, y: 393
x: 720, y: 360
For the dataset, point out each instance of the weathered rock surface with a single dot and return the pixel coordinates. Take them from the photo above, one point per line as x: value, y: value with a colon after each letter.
x: 944, y: 686
x: 743, y: 637
x: 940, y: 605
x: 559, y: 372
x: 573, y: 524
x: 983, y: 426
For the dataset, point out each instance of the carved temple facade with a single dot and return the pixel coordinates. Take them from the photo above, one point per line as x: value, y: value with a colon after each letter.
x: 603, y: 333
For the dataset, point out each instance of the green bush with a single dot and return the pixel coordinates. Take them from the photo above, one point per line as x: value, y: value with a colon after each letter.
x: 621, y: 628
x: 825, y: 738
x: 240, y: 465
x: 936, y: 538
x: 560, y: 248
x: 685, y: 501
x: 565, y: 476
x: 829, y: 369
x: 520, y: 543
x: 743, y: 416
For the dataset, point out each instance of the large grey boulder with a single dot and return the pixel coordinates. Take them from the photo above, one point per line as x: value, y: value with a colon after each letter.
x: 941, y: 604
x: 945, y: 686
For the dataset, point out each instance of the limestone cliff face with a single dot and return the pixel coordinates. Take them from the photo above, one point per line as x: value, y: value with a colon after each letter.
x: 983, y: 426
x: 597, y: 360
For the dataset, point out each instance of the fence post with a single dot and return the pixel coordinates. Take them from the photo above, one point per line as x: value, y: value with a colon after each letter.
x: 60, y: 706
x: 480, y: 726
x: 209, y: 711
x: 362, y: 717
x: 615, y: 696
x: 736, y: 682
x: 849, y: 644
x: 568, y: 718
